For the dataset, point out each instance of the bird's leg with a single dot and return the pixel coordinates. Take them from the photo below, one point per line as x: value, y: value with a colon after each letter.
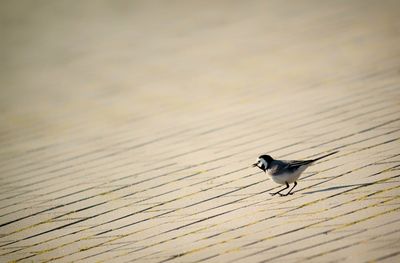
x: 290, y: 191
x: 287, y: 186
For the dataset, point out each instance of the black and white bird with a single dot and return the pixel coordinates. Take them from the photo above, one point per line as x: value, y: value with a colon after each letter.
x: 285, y: 172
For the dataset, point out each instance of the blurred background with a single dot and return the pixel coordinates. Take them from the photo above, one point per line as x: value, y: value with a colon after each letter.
x: 108, y: 62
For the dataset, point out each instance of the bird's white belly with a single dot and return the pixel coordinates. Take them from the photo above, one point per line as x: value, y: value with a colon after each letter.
x: 287, y: 177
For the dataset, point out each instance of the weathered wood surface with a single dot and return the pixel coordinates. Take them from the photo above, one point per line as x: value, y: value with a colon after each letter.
x: 128, y: 128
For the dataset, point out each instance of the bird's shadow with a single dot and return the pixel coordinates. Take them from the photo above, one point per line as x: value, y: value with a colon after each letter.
x: 333, y: 188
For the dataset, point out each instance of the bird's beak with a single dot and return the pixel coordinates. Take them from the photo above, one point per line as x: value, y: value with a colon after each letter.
x: 254, y: 164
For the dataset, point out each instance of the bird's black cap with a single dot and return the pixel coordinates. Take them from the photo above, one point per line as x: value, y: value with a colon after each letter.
x: 267, y: 158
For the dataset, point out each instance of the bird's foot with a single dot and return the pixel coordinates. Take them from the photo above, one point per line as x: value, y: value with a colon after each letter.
x: 285, y: 194
x: 280, y: 194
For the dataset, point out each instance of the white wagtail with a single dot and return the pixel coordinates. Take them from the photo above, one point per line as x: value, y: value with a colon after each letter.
x: 285, y: 172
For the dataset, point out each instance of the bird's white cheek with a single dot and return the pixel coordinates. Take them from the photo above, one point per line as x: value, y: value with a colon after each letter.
x: 264, y: 163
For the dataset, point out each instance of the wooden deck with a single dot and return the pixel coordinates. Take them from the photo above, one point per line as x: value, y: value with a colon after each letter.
x: 128, y: 130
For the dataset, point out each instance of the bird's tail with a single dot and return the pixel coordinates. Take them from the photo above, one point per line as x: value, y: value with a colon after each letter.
x: 329, y: 154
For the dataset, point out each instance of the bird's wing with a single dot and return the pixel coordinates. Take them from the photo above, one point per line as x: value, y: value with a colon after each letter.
x: 280, y: 167
x: 290, y: 166
x: 298, y: 163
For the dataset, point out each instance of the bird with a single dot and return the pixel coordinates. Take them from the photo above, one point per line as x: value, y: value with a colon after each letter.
x: 283, y: 171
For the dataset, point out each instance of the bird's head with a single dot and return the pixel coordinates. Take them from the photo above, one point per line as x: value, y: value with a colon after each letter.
x: 263, y: 162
